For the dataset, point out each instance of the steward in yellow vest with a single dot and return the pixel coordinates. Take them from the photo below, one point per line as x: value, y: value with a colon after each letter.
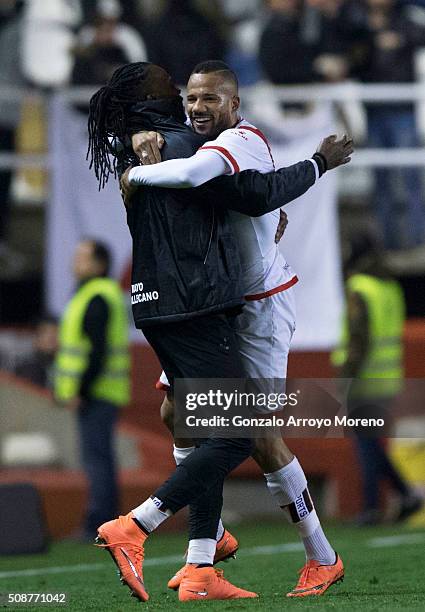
x: 92, y: 375
x: 371, y: 353
x: 75, y: 375
x: 371, y: 348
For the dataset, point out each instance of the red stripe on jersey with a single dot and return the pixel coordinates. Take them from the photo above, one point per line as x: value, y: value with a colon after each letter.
x: 226, y: 153
x: 261, y: 296
x: 261, y: 135
x: 160, y: 386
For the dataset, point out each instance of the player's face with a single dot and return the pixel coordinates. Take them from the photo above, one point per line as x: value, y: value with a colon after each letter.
x: 212, y: 104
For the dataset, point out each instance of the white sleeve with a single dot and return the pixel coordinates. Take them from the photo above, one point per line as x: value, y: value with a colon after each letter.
x: 180, y: 173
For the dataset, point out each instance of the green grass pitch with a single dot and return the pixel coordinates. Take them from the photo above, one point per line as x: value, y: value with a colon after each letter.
x: 385, y: 570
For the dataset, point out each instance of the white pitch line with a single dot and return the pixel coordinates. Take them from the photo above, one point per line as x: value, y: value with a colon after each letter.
x: 155, y: 561
x: 387, y: 541
x: 271, y: 550
x: 397, y: 540
x: 81, y: 567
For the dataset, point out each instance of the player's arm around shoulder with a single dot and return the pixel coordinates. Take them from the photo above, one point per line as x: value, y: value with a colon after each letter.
x: 182, y: 173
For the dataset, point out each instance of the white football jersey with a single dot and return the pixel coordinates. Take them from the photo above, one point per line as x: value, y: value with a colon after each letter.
x: 245, y: 147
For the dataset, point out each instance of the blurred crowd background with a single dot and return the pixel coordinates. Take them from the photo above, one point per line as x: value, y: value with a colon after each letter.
x: 46, y: 45
x: 274, y: 46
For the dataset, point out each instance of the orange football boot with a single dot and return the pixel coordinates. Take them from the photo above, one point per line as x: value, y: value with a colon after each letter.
x: 124, y: 542
x: 208, y: 583
x: 315, y: 579
x: 226, y: 547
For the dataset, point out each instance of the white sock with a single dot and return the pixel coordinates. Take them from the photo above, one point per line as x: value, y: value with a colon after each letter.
x: 315, y: 542
x: 288, y: 486
x: 149, y: 515
x: 180, y: 454
x: 201, y: 550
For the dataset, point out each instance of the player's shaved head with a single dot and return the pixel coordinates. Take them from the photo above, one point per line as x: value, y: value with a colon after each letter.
x: 212, y: 98
x: 222, y: 70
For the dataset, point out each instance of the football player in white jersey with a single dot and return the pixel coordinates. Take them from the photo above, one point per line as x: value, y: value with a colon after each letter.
x: 267, y: 323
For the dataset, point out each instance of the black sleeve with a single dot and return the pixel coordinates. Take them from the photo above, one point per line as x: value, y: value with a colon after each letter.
x: 256, y: 194
x: 94, y: 325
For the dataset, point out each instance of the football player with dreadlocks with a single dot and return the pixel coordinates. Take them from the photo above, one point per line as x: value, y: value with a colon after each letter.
x: 176, y: 320
x: 185, y: 289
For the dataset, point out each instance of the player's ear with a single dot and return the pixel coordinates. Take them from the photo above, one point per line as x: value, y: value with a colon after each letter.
x: 236, y: 102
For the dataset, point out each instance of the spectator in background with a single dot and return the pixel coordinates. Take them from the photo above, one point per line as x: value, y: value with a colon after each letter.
x: 183, y: 36
x: 392, y: 39
x: 129, y: 10
x: 246, y: 22
x: 286, y: 47
x: 37, y: 367
x: 10, y: 111
x: 106, y: 45
x: 47, y: 40
x: 93, y: 374
x: 336, y: 30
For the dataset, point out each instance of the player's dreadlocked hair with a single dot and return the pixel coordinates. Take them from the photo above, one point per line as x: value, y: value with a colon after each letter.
x: 107, y: 116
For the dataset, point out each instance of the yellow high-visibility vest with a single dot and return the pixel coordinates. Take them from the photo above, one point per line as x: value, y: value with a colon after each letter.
x: 113, y: 382
x: 383, y: 367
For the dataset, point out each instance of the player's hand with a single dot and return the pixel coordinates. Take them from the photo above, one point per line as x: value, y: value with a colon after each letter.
x: 283, y: 222
x: 147, y: 146
x: 336, y: 152
x: 126, y: 188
